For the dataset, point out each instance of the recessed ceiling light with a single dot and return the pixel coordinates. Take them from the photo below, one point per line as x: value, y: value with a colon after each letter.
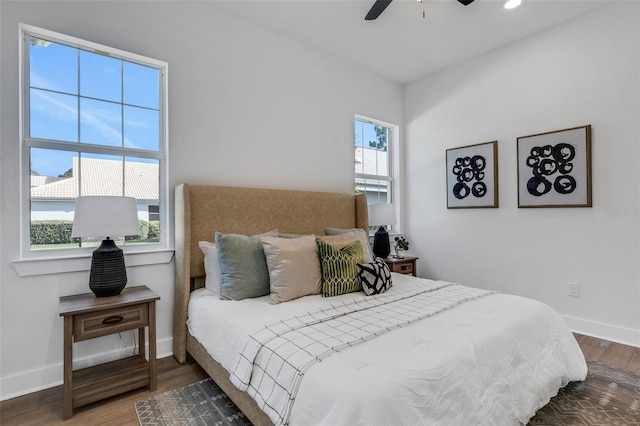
x: 512, y: 4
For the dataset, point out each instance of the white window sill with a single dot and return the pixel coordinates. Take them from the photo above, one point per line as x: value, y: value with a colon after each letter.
x: 61, y: 265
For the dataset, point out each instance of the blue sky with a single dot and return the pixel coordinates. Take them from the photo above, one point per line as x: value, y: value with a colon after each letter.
x: 364, y: 133
x: 87, y: 97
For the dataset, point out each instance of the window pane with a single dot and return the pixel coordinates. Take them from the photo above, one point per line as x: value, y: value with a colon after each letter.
x: 100, y: 122
x: 100, y: 76
x: 141, y: 128
x: 101, y: 175
x: 141, y: 85
x: 371, y: 161
x: 369, y: 135
x: 51, y: 163
x: 53, y: 188
x: 142, y: 179
x: 53, y: 116
x: 378, y: 191
x: 53, y: 66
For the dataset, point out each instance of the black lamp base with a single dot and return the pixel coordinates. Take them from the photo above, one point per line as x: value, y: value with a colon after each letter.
x: 381, y: 246
x: 108, y: 274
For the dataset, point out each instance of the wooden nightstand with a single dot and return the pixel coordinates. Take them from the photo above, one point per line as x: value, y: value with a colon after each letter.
x: 405, y: 265
x: 87, y: 316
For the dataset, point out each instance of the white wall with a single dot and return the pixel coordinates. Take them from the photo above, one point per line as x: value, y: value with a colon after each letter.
x: 586, y: 71
x: 247, y: 108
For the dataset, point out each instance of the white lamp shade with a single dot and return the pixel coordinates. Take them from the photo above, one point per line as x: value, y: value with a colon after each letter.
x: 105, y: 217
x: 382, y: 214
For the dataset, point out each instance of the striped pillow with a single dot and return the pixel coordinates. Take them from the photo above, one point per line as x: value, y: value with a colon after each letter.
x: 339, y: 268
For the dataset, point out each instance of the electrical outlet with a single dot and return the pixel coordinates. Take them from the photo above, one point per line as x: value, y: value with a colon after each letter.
x: 574, y: 290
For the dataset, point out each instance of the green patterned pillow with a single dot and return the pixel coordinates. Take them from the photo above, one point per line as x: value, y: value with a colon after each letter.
x: 339, y: 270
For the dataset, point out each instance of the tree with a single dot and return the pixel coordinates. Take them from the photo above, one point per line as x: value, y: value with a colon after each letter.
x: 68, y: 173
x: 381, y: 136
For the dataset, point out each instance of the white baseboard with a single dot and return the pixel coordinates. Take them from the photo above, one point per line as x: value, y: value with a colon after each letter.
x: 50, y: 376
x: 612, y: 333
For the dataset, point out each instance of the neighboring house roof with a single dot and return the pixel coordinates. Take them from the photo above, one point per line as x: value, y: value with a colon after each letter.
x: 371, y: 161
x: 100, y: 177
x: 43, y: 180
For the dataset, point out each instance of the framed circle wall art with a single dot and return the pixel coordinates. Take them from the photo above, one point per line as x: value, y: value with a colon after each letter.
x: 472, y: 176
x: 554, y: 168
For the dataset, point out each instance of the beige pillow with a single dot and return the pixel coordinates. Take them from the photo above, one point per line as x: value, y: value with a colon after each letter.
x: 349, y: 235
x: 294, y: 267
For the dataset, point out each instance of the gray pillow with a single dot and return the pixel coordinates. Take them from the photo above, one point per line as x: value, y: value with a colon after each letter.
x: 243, y: 266
x: 336, y: 231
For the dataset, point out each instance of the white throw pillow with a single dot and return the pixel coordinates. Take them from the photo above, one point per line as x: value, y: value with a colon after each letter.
x: 211, y: 266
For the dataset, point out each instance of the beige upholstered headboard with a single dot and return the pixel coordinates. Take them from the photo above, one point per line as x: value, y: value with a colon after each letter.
x: 201, y: 210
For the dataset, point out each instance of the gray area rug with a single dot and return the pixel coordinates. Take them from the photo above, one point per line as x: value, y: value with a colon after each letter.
x: 608, y: 397
x: 200, y: 403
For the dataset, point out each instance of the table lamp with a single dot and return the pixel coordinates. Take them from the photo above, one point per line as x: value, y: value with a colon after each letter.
x: 106, y: 217
x: 382, y: 215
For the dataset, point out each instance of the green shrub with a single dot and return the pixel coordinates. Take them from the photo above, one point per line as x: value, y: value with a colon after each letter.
x: 52, y: 232
x: 154, y: 230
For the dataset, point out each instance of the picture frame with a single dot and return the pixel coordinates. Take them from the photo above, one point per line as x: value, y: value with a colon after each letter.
x: 472, y: 176
x: 554, y: 168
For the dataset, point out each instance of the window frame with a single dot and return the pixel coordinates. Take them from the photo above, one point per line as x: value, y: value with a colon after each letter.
x: 26, y: 143
x: 393, y: 176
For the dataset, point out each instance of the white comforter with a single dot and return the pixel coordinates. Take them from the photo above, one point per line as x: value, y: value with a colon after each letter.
x: 490, y: 361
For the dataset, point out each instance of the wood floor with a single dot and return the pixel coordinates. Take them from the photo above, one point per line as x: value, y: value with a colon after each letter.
x: 45, y: 407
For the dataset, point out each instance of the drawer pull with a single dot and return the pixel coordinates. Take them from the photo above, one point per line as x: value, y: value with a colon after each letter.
x: 113, y: 319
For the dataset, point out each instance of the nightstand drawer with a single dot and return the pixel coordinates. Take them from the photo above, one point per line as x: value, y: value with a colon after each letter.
x: 96, y: 324
x: 404, y: 268
x: 404, y: 265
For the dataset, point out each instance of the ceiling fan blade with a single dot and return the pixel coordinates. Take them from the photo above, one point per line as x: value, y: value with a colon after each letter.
x: 466, y: 2
x: 378, y: 7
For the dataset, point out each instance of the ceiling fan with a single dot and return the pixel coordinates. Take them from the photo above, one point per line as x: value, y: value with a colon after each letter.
x: 380, y: 5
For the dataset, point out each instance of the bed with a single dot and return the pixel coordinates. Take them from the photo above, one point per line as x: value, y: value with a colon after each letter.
x: 422, y: 352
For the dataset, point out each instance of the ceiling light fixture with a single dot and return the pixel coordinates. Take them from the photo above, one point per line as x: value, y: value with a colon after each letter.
x: 512, y: 4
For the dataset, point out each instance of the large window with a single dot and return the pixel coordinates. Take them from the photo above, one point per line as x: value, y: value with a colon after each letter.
x: 373, y: 162
x: 93, y: 123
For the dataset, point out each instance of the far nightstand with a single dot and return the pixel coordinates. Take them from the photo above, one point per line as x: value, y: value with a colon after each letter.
x: 87, y: 316
x: 405, y: 265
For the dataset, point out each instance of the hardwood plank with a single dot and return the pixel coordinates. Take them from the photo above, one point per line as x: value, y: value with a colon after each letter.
x: 617, y: 355
x: 634, y: 362
x: 593, y: 348
x: 45, y: 407
x: 580, y: 338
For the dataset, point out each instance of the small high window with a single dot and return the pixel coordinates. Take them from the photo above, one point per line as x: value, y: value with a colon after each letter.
x: 373, y: 165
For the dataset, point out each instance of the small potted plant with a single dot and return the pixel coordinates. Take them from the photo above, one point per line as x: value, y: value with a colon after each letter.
x: 401, y: 246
